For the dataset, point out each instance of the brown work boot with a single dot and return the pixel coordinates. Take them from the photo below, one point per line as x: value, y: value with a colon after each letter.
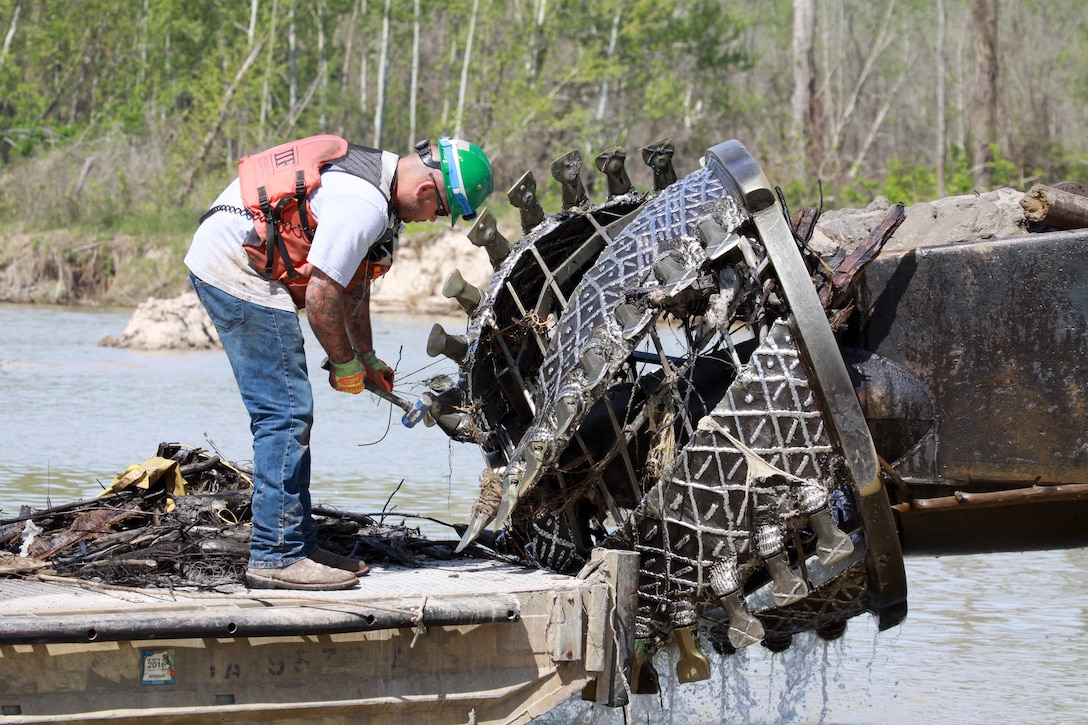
x: 303, y: 574
x: 357, y: 567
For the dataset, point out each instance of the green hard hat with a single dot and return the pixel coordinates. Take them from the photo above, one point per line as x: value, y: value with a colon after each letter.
x: 467, y: 173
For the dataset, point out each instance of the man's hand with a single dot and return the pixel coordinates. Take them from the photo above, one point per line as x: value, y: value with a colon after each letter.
x: 347, y: 377
x: 377, y: 371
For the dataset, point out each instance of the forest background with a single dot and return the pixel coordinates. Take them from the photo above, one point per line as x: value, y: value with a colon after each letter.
x: 120, y: 120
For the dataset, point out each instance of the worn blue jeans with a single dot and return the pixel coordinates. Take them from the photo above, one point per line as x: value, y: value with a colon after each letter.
x: 265, y: 348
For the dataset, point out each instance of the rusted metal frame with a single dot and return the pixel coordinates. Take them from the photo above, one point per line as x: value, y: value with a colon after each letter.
x: 1067, y: 492
x: 887, y: 575
x: 619, y: 447
x: 515, y: 368
x: 574, y: 261
x: 626, y: 433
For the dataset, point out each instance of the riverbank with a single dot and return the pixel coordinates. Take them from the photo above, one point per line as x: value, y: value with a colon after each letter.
x: 413, y: 285
x: 124, y: 270
x: 120, y: 270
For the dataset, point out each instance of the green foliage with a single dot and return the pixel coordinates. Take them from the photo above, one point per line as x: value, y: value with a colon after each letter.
x: 857, y: 194
x: 958, y: 176
x: 909, y: 184
x: 109, y: 110
x: 161, y: 222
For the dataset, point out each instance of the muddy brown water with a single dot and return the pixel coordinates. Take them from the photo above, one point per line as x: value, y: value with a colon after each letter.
x: 989, y: 639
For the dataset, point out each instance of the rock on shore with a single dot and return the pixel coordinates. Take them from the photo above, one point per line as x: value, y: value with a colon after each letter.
x: 180, y: 323
x: 413, y: 285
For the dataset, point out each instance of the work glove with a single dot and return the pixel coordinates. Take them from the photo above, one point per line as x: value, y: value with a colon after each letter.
x: 346, y: 377
x: 377, y: 371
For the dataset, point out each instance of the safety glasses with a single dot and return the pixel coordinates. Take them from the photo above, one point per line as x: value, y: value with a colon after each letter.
x: 442, y: 210
x: 453, y: 173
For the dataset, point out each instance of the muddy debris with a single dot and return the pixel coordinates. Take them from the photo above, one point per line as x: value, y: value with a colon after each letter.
x: 181, y: 519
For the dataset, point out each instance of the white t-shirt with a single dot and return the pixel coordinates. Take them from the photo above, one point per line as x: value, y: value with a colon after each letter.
x: 351, y: 213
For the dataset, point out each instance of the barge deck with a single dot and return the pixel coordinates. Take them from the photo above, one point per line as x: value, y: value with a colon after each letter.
x: 463, y: 641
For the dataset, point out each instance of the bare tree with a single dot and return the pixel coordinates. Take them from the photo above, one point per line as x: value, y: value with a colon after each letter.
x: 292, y: 55
x: 251, y: 31
x: 364, y: 75
x: 217, y: 123
x: 602, y: 98
x: 845, y: 93
x: 458, y: 121
x: 941, y: 141
x: 11, y: 31
x: 345, y: 72
x: 984, y: 133
x: 383, y: 64
x: 318, y: 8
x: 804, y: 24
x: 414, y: 85
x: 269, y: 70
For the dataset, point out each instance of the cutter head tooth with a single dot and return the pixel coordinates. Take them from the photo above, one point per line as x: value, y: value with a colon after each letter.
x: 476, y: 525
x: 506, y: 506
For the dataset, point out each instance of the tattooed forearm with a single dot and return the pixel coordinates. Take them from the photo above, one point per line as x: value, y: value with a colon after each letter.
x: 328, y: 316
x: 359, y: 320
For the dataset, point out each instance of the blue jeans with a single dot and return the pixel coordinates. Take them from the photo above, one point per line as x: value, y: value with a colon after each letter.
x: 265, y: 348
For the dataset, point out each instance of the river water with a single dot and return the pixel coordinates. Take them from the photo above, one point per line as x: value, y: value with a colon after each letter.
x: 989, y: 639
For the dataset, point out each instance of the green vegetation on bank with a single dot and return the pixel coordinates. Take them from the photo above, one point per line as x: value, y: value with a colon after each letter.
x: 121, y: 121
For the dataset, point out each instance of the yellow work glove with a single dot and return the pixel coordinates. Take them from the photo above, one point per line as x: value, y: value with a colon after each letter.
x: 347, y: 377
x: 377, y: 371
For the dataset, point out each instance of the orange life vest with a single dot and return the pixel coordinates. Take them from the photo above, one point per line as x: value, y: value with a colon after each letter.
x: 275, y: 185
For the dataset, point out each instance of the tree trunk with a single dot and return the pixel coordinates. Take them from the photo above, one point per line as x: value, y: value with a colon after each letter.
x: 266, y: 88
x: 345, y: 72
x: 224, y: 106
x: 984, y: 25
x: 251, y: 31
x: 537, y: 45
x: 458, y: 122
x: 383, y: 64
x: 413, y: 92
x: 11, y: 31
x: 141, y: 74
x: 602, y: 99
x: 322, y: 67
x: 804, y: 26
x: 877, y: 44
x: 364, y: 74
x: 942, y: 114
x: 292, y: 56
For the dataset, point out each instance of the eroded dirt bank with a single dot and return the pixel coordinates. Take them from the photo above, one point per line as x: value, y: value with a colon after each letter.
x: 121, y: 270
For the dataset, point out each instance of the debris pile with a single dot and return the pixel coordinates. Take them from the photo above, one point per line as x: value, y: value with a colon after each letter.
x: 180, y: 519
